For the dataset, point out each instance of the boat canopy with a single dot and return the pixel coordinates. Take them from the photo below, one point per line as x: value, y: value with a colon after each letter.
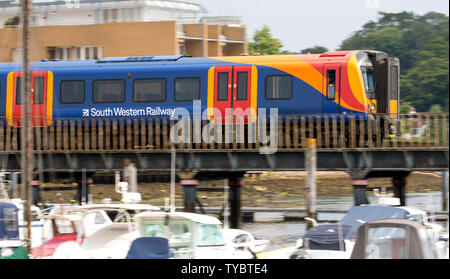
x: 327, y: 236
x: 149, y: 248
x: 393, y: 239
x: 9, y: 222
x: 359, y: 215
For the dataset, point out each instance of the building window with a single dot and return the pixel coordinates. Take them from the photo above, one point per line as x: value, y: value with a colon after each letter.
x: 110, y: 15
x: 72, y: 92
x: 187, y: 89
x: 181, y: 49
x: 17, y: 54
x: 76, y: 53
x: 149, y: 90
x: 128, y: 14
x: 278, y: 87
x: 108, y: 91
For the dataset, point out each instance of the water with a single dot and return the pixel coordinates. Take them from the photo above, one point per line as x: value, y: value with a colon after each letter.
x: 286, y: 234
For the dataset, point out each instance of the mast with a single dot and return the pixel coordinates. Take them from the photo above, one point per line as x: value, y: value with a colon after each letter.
x: 26, y: 130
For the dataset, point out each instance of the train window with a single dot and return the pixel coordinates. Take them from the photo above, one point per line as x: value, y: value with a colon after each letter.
x: 149, y: 90
x: 278, y: 87
x: 39, y: 87
x: 109, y: 91
x: 222, y: 86
x: 187, y: 89
x: 331, y: 84
x: 18, y: 91
x: 242, y: 88
x: 72, y: 92
x: 367, y: 74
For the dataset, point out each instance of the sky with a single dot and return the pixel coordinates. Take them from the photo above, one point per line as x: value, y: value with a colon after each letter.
x: 300, y: 24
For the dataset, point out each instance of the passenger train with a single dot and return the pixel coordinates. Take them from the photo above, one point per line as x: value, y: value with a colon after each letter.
x: 361, y: 82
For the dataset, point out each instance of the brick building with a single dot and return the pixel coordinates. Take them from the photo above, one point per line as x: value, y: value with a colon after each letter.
x: 105, y: 28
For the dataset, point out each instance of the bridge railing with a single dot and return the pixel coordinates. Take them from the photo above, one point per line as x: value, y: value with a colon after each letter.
x: 289, y: 132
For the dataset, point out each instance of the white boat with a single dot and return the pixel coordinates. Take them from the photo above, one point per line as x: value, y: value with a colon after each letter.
x: 110, y: 242
x: 336, y: 241
x: 395, y: 239
x: 242, y: 240
x: 190, y: 235
x: 67, y: 228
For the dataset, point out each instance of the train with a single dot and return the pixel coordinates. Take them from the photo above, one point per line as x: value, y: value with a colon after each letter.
x: 362, y: 82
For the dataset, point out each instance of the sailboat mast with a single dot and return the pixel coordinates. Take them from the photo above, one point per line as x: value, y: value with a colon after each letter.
x: 26, y: 135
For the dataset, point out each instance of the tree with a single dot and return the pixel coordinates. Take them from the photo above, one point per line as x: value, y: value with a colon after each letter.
x: 421, y: 44
x: 264, y: 44
x: 314, y: 50
x: 436, y: 108
x: 13, y: 21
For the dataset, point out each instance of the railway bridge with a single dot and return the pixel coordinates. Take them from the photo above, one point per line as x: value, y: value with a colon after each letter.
x: 343, y: 143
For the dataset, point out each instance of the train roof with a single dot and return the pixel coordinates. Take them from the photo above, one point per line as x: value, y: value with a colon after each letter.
x: 178, y: 60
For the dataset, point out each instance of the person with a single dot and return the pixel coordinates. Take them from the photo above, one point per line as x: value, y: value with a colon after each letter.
x: 130, y: 175
x: 415, y: 121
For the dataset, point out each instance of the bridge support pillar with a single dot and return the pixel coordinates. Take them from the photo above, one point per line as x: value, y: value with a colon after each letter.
x: 359, y: 191
x: 235, y: 202
x: 190, y: 194
x: 399, y: 188
x: 83, y: 189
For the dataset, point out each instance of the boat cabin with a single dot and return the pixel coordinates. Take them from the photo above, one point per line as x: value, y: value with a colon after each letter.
x: 190, y: 235
x: 394, y: 239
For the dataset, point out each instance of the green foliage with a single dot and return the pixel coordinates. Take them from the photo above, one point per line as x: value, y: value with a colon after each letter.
x: 405, y: 107
x: 421, y: 44
x: 13, y: 21
x: 264, y: 44
x: 314, y: 50
x: 436, y: 108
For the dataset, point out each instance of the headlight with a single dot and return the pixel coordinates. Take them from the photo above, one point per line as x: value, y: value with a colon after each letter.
x: 373, y: 107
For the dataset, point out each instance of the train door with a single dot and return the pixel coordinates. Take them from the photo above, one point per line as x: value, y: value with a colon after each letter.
x: 232, y: 89
x: 332, y: 77
x: 39, y: 98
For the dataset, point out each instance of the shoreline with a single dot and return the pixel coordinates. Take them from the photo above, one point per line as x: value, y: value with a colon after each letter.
x: 269, y: 188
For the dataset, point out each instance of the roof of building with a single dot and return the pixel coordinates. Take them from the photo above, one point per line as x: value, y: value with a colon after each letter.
x: 170, y: 4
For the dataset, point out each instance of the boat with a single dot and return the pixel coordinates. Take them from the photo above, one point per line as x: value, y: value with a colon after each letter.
x: 336, y: 241
x: 66, y: 228
x: 110, y: 242
x: 66, y: 236
x: 16, y: 207
x: 190, y: 235
x: 395, y: 239
x: 9, y: 229
x: 242, y: 240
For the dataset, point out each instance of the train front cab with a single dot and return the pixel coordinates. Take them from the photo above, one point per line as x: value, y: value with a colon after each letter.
x: 384, y: 91
x: 41, y: 98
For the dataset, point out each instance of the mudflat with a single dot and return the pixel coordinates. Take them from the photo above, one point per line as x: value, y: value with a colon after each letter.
x: 266, y: 189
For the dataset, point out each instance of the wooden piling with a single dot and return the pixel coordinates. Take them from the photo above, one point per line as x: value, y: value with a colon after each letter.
x: 310, y: 189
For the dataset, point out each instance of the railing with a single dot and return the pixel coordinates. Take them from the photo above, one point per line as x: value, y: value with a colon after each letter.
x: 421, y: 130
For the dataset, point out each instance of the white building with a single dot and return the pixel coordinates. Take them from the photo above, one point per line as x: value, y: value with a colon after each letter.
x: 77, y: 12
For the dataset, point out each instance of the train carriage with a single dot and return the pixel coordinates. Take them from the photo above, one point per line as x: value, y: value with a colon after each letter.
x: 333, y: 83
